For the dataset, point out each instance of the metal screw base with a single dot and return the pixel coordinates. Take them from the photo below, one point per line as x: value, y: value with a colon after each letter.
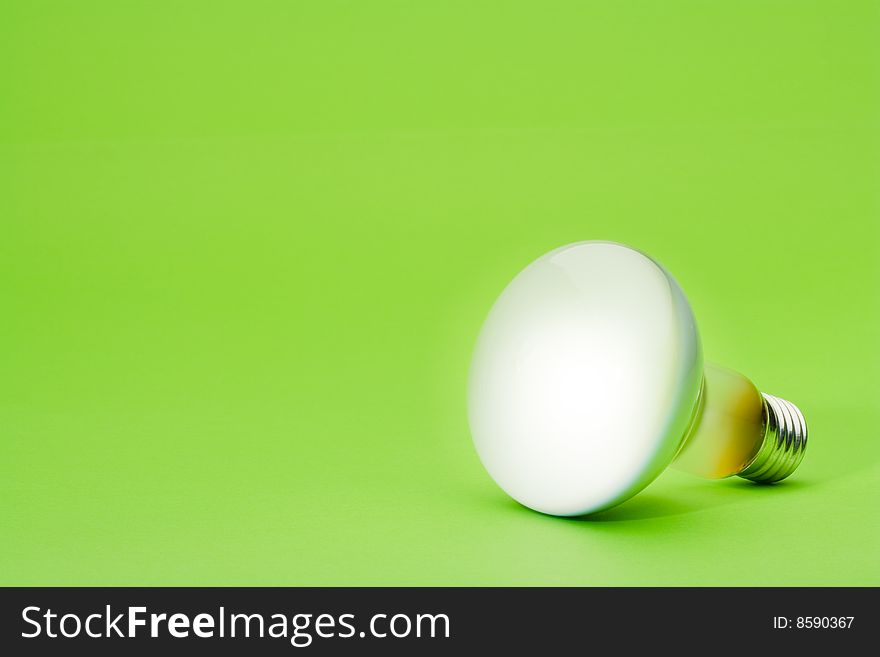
x: 785, y: 441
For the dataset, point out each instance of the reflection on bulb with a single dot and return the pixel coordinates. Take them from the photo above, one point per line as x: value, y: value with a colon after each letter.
x: 588, y: 380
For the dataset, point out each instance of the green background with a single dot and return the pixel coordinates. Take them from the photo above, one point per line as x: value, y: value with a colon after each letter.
x: 246, y: 248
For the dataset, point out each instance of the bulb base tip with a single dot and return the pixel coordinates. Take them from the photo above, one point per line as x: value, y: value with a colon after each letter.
x: 785, y: 441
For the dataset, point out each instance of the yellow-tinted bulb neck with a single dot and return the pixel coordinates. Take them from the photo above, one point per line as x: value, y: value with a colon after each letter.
x: 737, y: 430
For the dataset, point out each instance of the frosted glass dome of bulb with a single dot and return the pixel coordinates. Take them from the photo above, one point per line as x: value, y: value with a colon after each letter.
x: 585, y: 378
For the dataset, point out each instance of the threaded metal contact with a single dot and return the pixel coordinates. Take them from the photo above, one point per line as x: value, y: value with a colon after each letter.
x: 785, y: 441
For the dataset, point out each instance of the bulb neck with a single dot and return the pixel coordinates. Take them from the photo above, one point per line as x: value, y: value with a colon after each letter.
x: 784, y: 444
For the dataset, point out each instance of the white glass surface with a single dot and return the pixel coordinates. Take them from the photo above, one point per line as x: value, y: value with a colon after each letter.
x: 584, y: 379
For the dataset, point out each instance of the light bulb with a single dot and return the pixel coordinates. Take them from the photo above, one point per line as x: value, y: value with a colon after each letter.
x: 587, y: 381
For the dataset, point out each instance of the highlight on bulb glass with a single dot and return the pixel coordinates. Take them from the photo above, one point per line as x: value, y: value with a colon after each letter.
x: 588, y: 380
